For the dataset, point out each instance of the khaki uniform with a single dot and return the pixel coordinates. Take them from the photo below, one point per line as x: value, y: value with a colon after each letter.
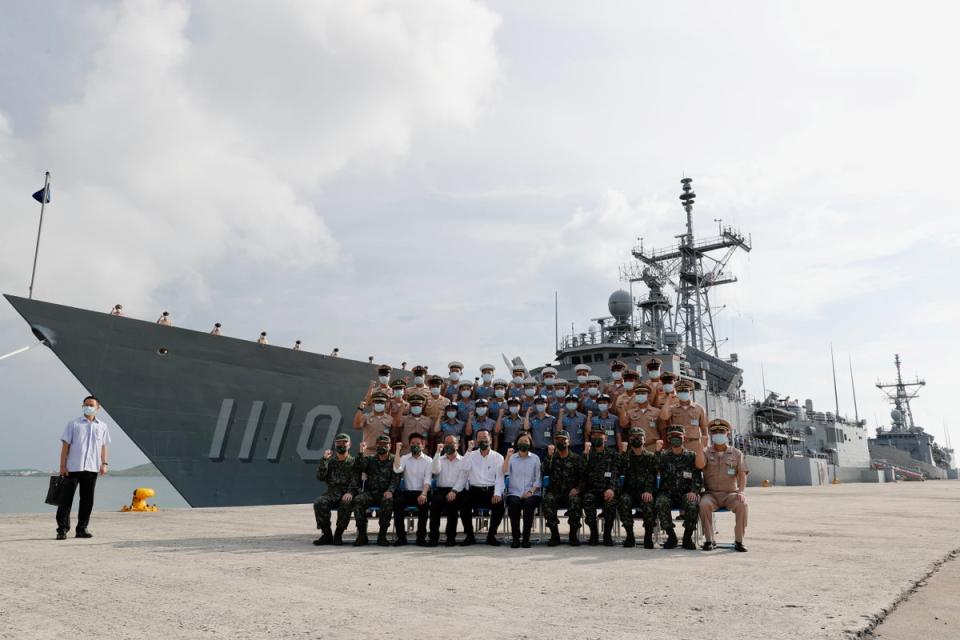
x: 656, y: 392
x: 624, y: 402
x: 648, y: 419
x: 409, y: 425
x: 720, y: 479
x: 383, y: 388
x: 663, y: 397
x: 694, y: 421
x: 422, y: 391
x: 435, y: 406
x: 375, y: 425
x: 613, y: 389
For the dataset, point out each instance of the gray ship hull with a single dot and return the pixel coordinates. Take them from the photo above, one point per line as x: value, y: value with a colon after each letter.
x: 226, y: 421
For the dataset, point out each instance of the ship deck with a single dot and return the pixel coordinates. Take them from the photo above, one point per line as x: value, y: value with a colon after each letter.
x: 824, y: 562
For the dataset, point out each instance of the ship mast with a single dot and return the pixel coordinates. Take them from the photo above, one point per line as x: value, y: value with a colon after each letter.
x: 902, y: 414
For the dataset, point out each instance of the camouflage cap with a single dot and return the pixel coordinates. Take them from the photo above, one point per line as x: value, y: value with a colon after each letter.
x: 383, y: 438
x: 342, y: 436
x: 675, y: 428
x: 636, y: 431
x: 561, y: 434
x: 718, y: 424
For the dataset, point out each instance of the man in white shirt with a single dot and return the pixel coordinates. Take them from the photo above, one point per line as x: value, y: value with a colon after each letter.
x: 484, y: 471
x: 417, y: 470
x: 83, y: 455
x: 449, y: 497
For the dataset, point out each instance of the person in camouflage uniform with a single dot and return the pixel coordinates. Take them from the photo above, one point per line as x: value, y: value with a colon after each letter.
x: 377, y: 483
x: 600, y: 479
x: 639, y: 468
x: 340, y: 473
x: 565, y: 470
x: 681, y: 482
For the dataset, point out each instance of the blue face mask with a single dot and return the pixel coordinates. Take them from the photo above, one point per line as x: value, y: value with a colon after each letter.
x: 571, y: 406
x: 719, y: 438
x: 89, y: 411
x: 416, y: 410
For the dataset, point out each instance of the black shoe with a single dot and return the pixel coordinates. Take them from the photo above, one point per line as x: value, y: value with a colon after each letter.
x: 671, y: 542
x: 738, y: 546
x: 382, y: 539
x: 492, y: 541
x: 594, y: 540
x: 468, y: 541
x: 450, y: 542
x: 630, y: 541
x: 338, y: 538
x: 709, y: 545
x: 322, y: 540
x: 421, y: 542
x: 525, y: 543
x: 83, y: 533
x: 515, y: 544
x: 400, y: 542
x: 574, y: 537
x: 61, y: 535
x: 554, y: 537
x: 607, y: 539
x: 361, y: 540
x: 688, y: 540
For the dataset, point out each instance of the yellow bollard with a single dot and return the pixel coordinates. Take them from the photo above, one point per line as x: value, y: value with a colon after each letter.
x: 139, y: 503
x: 765, y: 483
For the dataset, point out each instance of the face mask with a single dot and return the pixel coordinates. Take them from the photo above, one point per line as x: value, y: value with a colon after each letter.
x: 718, y: 438
x: 676, y: 442
x: 416, y: 410
x: 451, y: 414
x: 414, y: 449
x: 530, y: 392
x: 548, y: 381
x: 668, y: 387
x: 628, y: 385
x: 571, y: 406
x: 523, y: 446
x: 417, y: 379
x: 560, y: 393
x: 641, y: 398
x: 603, y: 406
x: 593, y: 391
x: 561, y: 445
x: 684, y: 396
x: 398, y: 393
x: 541, y: 407
x: 514, y: 409
x: 465, y: 393
x: 484, y: 445
x: 636, y: 443
x: 597, y: 442
x: 517, y: 379
x: 454, y: 375
x: 616, y: 375
x: 383, y: 379
x: 341, y: 448
x: 487, y: 377
x: 581, y: 379
x: 435, y: 391
x: 448, y: 449
x: 382, y: 450
x: 379, y: 407
x: 481, y: 411
x: 499, y: 392
x: 654, y: 373
x: 89, y: 411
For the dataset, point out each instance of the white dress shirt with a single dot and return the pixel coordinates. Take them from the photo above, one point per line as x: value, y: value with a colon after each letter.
x: 485, y: 471
x: 417, y: 472
x: 450, y: 472
x: 86, y: 439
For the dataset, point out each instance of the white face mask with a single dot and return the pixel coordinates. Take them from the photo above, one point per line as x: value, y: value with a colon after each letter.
x: 89, y: 411
x: 454, y: 375
x: 487, y: 377
x: 499, y: 392
x: 549, y: 381
x: 603, y: 406
x: 560, y: 393
x: 514, y: 409
x: 654, y: 373
x: 581, y: 379
x: 628, y: 385
x: 481, y: 411
x: 719, y: 438
x: 571, y: 406
x: 684, y: 396
x: 416, y: 410
x: 379, y: 407
x: 517, y: 379
x: 398, y: 393
x: 668, y: 387
x: 451, y: 414
x: 465, y: 393
x: 383, y: 379
x: 616, y: 375
x: 434, y: 391
x: 641, y: 398
x: 530, y: 391
x: 417, y: 379
x: 593, y: 391
x: 541, y: 407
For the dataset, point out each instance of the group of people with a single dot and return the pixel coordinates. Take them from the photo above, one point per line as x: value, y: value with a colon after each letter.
x: 637, y: 445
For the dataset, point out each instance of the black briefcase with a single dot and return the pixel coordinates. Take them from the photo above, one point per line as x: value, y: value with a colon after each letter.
x: 60, y: 490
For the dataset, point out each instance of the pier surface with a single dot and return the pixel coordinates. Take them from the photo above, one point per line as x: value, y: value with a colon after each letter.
x: 824, y: 562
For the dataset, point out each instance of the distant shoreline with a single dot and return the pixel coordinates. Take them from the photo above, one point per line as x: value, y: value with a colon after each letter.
x: 142, y: 470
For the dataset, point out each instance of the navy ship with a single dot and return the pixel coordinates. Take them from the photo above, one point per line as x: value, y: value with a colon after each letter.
x: 233, y: 422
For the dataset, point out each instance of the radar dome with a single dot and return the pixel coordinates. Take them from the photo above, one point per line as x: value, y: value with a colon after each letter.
x: 897, y: 416
x: 620, y: 305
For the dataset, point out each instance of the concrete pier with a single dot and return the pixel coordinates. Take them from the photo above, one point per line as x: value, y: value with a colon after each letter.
x: 824, y: 562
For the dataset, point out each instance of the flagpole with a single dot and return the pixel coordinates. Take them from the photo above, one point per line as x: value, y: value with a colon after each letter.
x: 36, y: 252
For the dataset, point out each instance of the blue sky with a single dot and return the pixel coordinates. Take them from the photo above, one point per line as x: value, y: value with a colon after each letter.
x: 272, y: 169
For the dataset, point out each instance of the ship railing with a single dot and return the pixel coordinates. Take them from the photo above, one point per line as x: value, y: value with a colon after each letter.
x: 763, y: 448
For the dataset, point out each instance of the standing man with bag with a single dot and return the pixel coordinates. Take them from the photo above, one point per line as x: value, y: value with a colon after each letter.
x: 83, y: 455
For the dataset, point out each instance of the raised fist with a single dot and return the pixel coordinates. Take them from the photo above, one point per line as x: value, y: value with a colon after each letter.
x: 550, y: 449
x: 327, y: 454
x: 363, y: 446
x: 623, y: 447
x: 586, y: 447
x: 509, y: 452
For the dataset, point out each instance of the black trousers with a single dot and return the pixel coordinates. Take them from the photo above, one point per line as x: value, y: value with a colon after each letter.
x: 525, y: 506
x: 87, y: 481
x: 479, y: 498
x: 440, y: 507
x: 406, y: 499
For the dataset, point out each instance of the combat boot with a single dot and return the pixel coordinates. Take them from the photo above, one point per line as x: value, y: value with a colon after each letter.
x: 338, y: 534
x: 608, y: 532
x: 554, y: 537
x: 630, y: 541
x: 688, y: 539
x: 361, y: 535
x: 574, y: 536
x: 671, y: 542
x: 326, y: 538
x: 647, y: 537
x: 593, y: 541
x: 382, y: 538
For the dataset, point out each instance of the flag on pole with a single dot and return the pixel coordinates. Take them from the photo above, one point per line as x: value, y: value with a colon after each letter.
x: 39, y: 195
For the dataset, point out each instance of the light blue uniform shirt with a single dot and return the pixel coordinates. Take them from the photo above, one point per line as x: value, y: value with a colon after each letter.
x: 524, y: 474
x: 86, y: 438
